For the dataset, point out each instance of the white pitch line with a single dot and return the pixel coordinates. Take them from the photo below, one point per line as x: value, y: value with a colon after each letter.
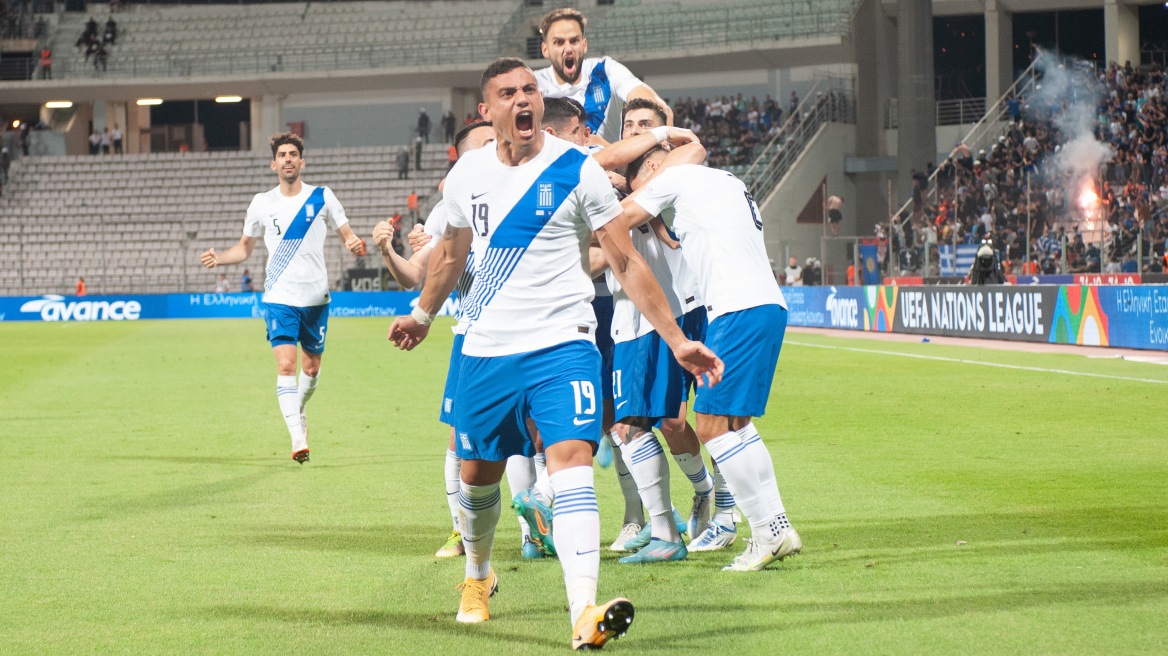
x: 988, y: 364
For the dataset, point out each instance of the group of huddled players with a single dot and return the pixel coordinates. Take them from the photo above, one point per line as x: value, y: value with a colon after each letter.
x: 591, y: 305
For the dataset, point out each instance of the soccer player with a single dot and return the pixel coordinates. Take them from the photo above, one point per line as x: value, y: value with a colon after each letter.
x: 721, y: 239
x: 292, y: 219
x: 528, y: 206
x: 410, y: 273
x: 602, y: 85
x: 707, y: 533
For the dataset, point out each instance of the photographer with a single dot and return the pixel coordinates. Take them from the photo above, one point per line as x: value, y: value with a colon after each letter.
x: 987, y: 267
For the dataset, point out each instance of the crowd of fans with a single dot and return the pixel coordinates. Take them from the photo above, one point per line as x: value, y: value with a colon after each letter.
x: 23, y: 20
x: 985, y: 194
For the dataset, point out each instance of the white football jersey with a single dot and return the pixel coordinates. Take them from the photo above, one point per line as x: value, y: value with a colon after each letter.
x: 293, y: 229
x: 532, y: 225
x: 717, y: 222
x: 603, y: 87
x: 435, y: 227
x: 685, y: 283
x: 627, y: 321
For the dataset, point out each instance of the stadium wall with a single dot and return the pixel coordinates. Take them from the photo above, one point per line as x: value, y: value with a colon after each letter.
x: 1124, y: 316
x: 1088, y: 315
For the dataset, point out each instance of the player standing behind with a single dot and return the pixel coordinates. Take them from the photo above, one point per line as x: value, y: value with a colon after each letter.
x: 602, y: 85
x: 528, y: 206
x: 292, y: 219
x: 707, y: 533
x: 721, y: 239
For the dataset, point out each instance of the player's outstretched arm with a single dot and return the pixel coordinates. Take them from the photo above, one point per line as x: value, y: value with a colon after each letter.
x: 662, y: 233
x: 407, y: 273
x: 352, y: 242
x: 625, y: 151
x: 446, y: 265
x: 638, y: 282
x: 233, y: 255
x: 690, y: 153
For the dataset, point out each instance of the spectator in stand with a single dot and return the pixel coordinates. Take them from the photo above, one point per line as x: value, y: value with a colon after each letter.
x: 117, y: 135
x: 222, y: 287
x: 423, y: 128
x: 418, y: 153
x: 79, y: 289
x: 94, y: 142
x: 245, y: 282
x: 793, y: 274
x: 412, y: 206
x: 111, y: 32
x: 46, y: 64
x: 107, y: 140
x: 451, y: 156
x: 5, y: 162
x: 448, y: 122
x: 403, y: 164
x: 100, y: 57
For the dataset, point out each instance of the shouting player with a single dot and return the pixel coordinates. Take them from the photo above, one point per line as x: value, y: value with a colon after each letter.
x: 602, y: 85
x: 528, y: 207
x: 720, y: 231
x: 292, y: 219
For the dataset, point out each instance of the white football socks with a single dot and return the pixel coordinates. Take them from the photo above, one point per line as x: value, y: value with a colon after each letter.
x: 646, y: 461
x: 542, y: 490
x: 735, y: 460
x: 757, y: 453
x: 480, y: 508
x: 576, y: 534
x: 520, y: 478
x: 634, y: 512
x: 723, y: 500
x: 306, y: 385
x: 453, y: 470
x: 288, y: 396
x: 695, y: 470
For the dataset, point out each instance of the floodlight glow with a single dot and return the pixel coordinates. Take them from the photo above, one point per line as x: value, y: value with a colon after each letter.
x: 150, y: 101
x: 228, y: 99
x: 59, y: 104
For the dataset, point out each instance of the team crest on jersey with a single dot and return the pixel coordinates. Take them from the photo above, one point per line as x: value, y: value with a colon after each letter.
x: 547, y: 196
x: 309, y: 208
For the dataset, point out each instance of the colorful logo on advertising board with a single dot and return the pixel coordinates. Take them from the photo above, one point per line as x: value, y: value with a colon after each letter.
x: 881, y: 309
x: 1079, y: 317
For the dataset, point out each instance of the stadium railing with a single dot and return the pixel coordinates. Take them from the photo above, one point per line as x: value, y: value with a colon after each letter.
x: 829, y: 101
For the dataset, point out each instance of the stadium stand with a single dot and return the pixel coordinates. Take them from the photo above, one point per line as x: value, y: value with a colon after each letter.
x: 185, y: 40
x: 981, y: 192
x: 136, y: 223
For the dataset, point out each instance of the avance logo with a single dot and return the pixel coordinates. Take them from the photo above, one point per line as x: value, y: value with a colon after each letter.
x: 53, y: 307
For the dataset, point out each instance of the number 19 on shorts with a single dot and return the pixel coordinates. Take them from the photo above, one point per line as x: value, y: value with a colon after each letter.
x: 583, y: 389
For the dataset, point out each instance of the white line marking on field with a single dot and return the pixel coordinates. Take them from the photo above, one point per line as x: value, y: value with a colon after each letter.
x: 988, y: 364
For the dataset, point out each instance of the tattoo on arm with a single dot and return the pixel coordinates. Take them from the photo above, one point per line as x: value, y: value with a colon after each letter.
x: 451, y: 231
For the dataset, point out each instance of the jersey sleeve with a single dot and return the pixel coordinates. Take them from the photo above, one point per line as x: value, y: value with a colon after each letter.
x: 253, y: 225
x: 598, y: 198
x: 621, y: 78
x: 660, y: 193
x: 454, y: 214
x: 336, y: 214
x: 436, y: 222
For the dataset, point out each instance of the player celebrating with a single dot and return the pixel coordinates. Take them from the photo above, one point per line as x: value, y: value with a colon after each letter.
x: 706, y: 533
x: 602, y: 85
x: 292, y: 219
x: 721, y: 239
x: 528, y: 205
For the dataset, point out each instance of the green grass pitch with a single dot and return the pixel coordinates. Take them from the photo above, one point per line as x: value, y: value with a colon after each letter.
x: 150, y: 507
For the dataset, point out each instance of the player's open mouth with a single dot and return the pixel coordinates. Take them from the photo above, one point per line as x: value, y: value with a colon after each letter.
x: 570, y: 66
x: 525, y: 123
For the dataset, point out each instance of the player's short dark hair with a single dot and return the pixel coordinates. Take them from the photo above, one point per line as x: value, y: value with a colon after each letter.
x: 465, y: 132
x: 558, y: 111
x: 645, y: 103
x: 635, y: 166
x: 287, y: 138
x: 500, y: 66
x: 563, y: 13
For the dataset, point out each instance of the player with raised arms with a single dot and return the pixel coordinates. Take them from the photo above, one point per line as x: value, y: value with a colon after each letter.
x: 601, y: 84
x: 529, y: 206
x: 720, y: 231
x: 292, y: 219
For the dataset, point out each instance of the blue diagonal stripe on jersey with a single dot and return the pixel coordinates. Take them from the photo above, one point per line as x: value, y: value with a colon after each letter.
x: 516, y: 231
x: 597, y: 96
x: 293, y: 237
